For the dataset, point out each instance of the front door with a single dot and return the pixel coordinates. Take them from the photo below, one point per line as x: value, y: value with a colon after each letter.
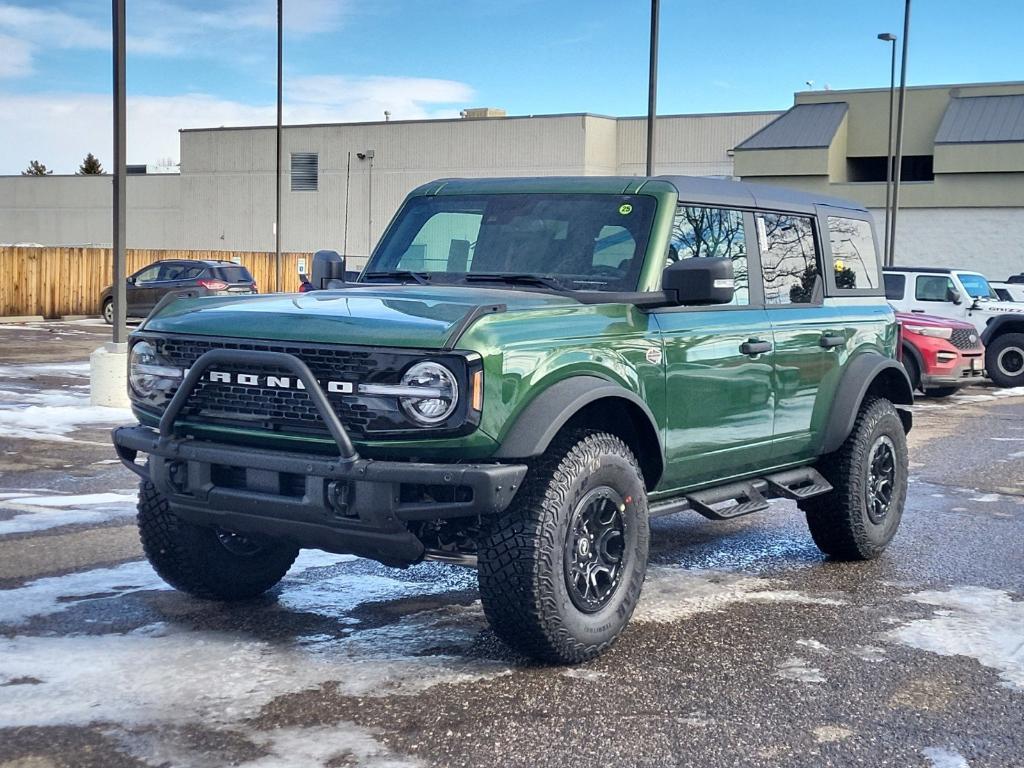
x: 718, y: 362
x: 139, y: 289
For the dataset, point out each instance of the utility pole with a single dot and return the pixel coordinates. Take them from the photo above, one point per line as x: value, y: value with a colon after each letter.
x: 652, y: 88
x: 891, y: 39
x: 897, y: 171
x: 120, y: 329
x: 277, y: 173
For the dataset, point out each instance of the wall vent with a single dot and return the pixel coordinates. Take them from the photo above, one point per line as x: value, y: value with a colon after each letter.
x: 305, y: 171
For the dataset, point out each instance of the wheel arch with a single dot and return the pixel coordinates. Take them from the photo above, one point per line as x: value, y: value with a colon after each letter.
x: 587, y: 401
x: 868, y: 374
x: 997, y: 326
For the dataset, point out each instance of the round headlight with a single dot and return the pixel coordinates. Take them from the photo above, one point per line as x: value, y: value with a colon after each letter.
x: 440, y: 393
x: 147, y: 376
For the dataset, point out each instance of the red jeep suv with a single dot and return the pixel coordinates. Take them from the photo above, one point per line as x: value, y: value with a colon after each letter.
x: 940, y: 354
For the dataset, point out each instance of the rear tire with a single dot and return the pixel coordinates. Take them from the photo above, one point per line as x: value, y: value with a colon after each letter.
x: 108, y: 311
x: 913, y: 373
x: 1004, y: 360
x: 941, y: 391
x: 207, y: 562
x: 561, y: 570
x: 868, y: 473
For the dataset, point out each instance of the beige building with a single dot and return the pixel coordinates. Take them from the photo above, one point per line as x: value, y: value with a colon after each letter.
x: 962, y: 196
x: 343, y: 182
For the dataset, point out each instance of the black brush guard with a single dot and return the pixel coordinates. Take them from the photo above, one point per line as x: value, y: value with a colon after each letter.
x: 342, y: 503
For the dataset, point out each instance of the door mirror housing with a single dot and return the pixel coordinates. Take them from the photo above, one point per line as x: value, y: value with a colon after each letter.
x: 695, y: 282
x: 328, y: 270
x: 954, y: 296
x: 130, y: 280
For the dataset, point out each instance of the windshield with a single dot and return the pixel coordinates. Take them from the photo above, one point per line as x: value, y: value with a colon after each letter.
x: 589, y: 242
x: 977, y: 287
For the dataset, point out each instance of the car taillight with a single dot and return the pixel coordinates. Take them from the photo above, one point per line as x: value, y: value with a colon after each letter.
x: 213, y: 285
x: 255, y: 289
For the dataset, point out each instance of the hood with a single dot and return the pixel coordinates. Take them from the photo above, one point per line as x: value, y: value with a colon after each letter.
x: 914, y: 318
x: 426, y: 317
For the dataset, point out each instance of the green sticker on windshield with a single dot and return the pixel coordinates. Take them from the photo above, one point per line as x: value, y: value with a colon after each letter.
x: 625, y: 209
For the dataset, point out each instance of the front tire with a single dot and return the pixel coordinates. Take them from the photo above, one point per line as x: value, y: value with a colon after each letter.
x: 561, y: 570
x: 206, y: 562
x: 868, y: 473
x: 108, y: 311
x: 1004, y: 360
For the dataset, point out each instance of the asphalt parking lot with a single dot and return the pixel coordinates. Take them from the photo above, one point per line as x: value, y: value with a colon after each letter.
x: 749, y: 648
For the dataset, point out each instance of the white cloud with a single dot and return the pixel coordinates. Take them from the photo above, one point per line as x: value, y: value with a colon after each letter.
x: 16, y: 59
x: 58, y: 129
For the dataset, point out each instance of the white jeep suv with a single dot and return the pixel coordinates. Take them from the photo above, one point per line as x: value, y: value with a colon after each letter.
x: 965, y: 295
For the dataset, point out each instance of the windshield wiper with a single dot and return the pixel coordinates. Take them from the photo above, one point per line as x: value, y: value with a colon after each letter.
x: 423, y: 278
x: 515, y: 278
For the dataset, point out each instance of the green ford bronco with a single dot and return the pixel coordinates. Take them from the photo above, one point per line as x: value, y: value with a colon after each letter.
x: 523, y: 375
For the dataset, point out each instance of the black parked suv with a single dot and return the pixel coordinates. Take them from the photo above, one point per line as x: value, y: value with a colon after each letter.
x: 185, y: 277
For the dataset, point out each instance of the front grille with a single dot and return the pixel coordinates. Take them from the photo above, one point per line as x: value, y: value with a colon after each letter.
x: 291, y: 410
x: 961, y: 338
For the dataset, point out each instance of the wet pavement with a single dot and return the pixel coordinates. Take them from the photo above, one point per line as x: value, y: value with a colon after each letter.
x: 749, y: 648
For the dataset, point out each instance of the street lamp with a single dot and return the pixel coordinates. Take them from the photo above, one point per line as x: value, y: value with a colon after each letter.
x: 889, y: 38
x: 900, y: 112
x: 652, y: 86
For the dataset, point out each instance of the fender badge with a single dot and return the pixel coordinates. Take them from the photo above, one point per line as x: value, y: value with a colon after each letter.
x: 654, y: 356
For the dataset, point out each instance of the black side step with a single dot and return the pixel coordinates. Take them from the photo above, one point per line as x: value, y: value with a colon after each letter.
x: 749, y: 495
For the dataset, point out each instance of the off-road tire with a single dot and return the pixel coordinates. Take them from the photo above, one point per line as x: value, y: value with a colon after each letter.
x: 839, y: 521
x: 913, y: 372
x: 192, y: 558
x: 1004, y: 348
x: 941, y: 391
x: 523, y: 552
x: 107, y: 311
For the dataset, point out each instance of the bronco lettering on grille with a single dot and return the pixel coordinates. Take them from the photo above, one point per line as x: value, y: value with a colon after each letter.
x: 276, y: 382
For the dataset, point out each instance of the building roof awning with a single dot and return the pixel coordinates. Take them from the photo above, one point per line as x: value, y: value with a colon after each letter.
x: 805, y: 126
x: 982, y: 119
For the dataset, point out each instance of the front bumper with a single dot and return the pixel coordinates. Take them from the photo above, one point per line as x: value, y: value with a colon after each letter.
x: 341, y: 503
x: 351, y: 506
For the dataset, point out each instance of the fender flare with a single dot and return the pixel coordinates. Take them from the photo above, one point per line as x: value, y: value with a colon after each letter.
x: 911, y: 350
x: 861, y: 373
x: 995, y: 327
x: 539, y: 422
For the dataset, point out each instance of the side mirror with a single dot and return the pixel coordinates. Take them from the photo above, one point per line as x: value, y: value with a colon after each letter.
x: 699, y: 281
x: 130, y: 280
x: 328, y: 268
x: 954, y: 296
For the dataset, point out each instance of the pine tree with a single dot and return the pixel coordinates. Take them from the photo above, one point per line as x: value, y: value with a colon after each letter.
x: 35, y: 168
x: 90, y: 166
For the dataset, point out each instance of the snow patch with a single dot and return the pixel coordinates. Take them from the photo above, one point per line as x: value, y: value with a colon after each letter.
x: 670, y: 594
x: 814, y: 645
x: 986, y: 498
x: 797, y: 669
x: 944, y: 758
x: 44, y: 520
x: 825, y: 734
x: 82, y: 500
x: 984, y: 624
x: 54, y: 422
x: 340, y: 742
x: 590, y: 675
x: 27, y: 370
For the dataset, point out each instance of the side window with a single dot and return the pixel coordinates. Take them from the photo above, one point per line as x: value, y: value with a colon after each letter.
x: 789, y: 259
x: 700, y: 232
x: 895, y: 286
x: 933, y: 288
x: 148, y: 275
x: 172, y: 271
x: 190, y: 273
x: 854, y: 258
x: 445, y: 243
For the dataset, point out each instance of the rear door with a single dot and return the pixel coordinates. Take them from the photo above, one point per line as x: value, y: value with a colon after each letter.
x: 718, y: 360
x: 810, y: 340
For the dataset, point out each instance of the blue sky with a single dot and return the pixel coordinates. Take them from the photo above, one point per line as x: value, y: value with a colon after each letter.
x: 197, y: 63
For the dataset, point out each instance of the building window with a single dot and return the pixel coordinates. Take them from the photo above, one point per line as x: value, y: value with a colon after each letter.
x: 912, y: 168
x: 854, y: 258
x: 699, y: 232
x: 789, y: 259
x: 305, y: 171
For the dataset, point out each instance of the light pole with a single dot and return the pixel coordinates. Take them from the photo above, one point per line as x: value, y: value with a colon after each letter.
x: 652, y: 87
x: 277, y: 165
x: 120, y: 181
x: 891, y: 39
x: 898, y: 163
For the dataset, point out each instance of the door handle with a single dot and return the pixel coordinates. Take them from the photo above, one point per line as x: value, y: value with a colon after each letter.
x: 829, y: 340
x: 917, y: 311
x: 755, y: 347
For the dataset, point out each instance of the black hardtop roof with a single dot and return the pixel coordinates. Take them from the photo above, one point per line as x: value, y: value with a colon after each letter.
x: 729, y: 192
x: 696, y: 189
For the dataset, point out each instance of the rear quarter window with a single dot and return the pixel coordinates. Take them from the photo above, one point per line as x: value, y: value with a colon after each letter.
x: 854, y: 258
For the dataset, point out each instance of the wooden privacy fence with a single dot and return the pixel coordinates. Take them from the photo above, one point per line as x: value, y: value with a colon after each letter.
x: 67, y: 281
